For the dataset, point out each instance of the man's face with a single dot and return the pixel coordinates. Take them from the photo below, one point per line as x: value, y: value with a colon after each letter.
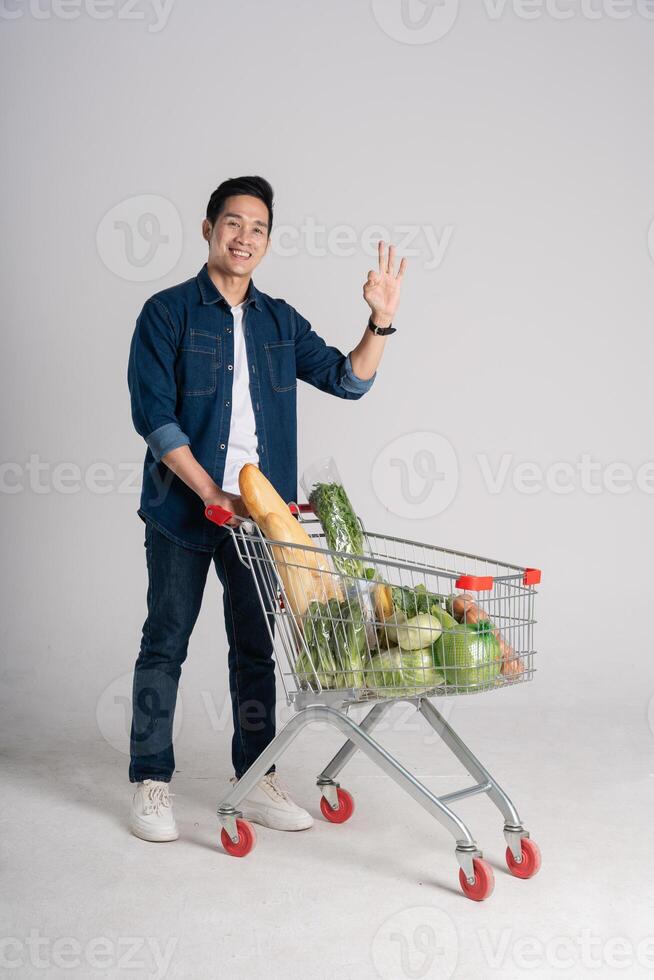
x: 239, y: 238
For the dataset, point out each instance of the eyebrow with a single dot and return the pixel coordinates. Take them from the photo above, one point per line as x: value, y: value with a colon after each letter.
x: 232, y: 214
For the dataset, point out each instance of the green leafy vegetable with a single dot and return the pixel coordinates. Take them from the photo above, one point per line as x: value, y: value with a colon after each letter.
x: 333, y: 509
x: 414, y: 601
x: 335, y: 635
x: 319, y: 661
x: 403, y: 673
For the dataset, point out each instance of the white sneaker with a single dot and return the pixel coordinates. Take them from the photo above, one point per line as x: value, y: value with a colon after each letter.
x: 152, y: 817
x: 270, y: 805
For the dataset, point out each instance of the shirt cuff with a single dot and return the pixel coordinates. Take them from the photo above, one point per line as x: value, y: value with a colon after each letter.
x: 350, y: 382
x: 166, y: 438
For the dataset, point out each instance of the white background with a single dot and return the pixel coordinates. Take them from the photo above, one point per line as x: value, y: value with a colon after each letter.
x: 531, y: 139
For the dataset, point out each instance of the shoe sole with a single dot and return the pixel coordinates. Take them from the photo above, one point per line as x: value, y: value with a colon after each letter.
x: 148, y: 834
x: 267, y: 818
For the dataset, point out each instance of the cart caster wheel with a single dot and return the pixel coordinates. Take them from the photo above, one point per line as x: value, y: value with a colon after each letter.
x: 483, y: 884
x: 247, y: 838
x: 345, y: 807
x: 530, y: 863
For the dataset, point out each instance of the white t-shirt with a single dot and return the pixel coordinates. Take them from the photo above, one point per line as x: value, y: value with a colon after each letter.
x: 242, y: 444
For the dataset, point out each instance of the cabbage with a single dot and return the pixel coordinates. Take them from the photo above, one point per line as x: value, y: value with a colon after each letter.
x: 421, y: 631
x: 402, y: 673
x: 470, y: 656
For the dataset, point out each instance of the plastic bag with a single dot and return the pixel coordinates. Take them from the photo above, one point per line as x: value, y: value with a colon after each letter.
x: 325, y: 492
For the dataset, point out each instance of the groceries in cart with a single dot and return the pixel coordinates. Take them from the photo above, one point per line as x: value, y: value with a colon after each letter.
x: 356, y: 628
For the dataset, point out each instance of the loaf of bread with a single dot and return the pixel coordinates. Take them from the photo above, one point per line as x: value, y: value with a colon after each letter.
x: 306, y: 575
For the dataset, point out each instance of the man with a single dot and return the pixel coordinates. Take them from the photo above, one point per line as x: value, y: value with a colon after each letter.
x: 213, y: 368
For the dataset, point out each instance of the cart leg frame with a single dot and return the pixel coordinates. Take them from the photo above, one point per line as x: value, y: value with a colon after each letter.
x: 358, y: 737
x: 485, y: 782
x: 513, y: 829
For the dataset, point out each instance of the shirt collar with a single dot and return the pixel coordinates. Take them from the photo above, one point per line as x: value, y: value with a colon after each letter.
x: 210, y: 294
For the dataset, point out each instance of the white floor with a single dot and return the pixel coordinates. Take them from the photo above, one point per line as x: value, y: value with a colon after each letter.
x: 376, y: 897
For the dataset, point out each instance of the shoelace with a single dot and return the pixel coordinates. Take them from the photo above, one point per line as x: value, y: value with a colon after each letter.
x: 271, y: 780
x: 158, y: 797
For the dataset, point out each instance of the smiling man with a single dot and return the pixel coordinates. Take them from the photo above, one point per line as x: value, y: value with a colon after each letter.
x: 212, y: 375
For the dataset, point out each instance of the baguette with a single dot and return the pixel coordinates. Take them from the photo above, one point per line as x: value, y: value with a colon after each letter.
x: 262, y: 500
x: 306, y: 577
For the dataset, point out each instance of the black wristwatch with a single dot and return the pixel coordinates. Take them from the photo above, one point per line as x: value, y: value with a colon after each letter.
x: 380, y: 331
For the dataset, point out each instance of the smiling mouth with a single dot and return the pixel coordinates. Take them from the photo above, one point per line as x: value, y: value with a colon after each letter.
x: 240, y: 254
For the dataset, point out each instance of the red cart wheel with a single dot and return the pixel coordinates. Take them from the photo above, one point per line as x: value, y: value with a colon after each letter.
x: 483, y: 884
x: 345, y: 807
x: 247, y: 839
x: 531, y: 860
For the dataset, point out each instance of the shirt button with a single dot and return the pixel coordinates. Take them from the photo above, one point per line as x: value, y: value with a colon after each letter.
x: 227, y: 405
x: 229, y: 329
x: 222, y: 445
x: 230, y: 367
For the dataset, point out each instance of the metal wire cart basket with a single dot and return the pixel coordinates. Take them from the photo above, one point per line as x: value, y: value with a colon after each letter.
x: 404, y: 621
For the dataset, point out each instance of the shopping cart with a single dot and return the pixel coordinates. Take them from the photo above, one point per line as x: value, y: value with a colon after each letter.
x: 336, y: 646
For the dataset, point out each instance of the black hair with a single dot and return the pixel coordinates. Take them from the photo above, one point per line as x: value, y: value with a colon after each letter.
x: 254, y: 186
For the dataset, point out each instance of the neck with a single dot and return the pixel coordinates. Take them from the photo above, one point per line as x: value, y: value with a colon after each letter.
x: 233, y: 288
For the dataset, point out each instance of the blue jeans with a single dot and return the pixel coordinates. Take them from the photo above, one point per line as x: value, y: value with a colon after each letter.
x: 176, y: 581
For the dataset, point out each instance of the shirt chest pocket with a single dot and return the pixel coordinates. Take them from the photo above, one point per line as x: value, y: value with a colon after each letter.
x: 281, y: 365
x: 198, y: 363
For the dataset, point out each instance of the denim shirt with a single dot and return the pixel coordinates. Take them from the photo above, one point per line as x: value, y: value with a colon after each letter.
x: 180, y: 377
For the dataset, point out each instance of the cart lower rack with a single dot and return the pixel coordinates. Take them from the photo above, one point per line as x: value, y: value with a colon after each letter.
x: 403, y: 622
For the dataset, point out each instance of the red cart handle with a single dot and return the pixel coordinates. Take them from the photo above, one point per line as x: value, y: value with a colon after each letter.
x: 220, y: 516
x: 300, y: 508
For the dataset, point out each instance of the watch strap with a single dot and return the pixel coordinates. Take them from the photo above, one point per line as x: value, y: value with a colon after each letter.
x: 380, y: 331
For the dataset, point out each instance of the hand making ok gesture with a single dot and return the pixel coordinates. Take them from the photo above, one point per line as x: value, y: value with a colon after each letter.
x: 381, y: 289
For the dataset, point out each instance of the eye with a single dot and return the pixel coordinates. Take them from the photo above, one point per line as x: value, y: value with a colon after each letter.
x: 259, y: 231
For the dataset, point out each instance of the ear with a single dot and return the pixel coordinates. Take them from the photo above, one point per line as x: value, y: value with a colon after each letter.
x: 206, y: 230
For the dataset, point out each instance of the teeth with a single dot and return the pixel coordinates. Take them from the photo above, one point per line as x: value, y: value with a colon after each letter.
x: 246, y: 255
